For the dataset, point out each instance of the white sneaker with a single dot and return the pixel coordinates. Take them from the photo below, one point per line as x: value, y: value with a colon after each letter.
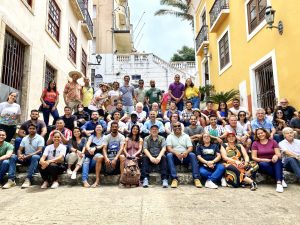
x: 73, y: 176
x: 9, y: 184
x: 69, y: 172
x: 279, y: 188
x: 45, y: 185
x: 210, y: 184
x: 284, y: 184
x: 55, y: 185
x: 223, y: 182
x: 26, y: 183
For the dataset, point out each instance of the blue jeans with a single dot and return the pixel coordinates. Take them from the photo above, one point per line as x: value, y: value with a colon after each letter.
x: 293, y: 165
x: 196, y: 102
x: 47, y: 112
x: 272, y: 169
x: 180, y: 105
x: 18, y: 141
x: 191, y: 158
x: 215, y: 174
x: 88, y: 164
x: 4, y: 166
x: 33, y: 163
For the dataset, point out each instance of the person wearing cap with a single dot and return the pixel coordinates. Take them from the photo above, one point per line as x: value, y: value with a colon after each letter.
x: 73, y: 90
x: 180, y: 147
x: 239, y: 168
x: 99, y: 99
x: 29, y: 153
x: 154, y: 155
x: 87, y: 93
x: 153, y: 121
x: 133, y: 121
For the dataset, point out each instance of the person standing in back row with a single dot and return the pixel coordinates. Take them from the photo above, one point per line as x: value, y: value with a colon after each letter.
x: 127, y: 95
x: 176, y: 92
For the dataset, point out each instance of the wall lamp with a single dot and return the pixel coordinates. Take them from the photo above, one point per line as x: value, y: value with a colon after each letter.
x: 98, y: 59
x: 269, y: 17
x: 206, y: 54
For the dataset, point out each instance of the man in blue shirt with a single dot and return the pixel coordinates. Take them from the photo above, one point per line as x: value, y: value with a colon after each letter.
x: 28, y: 154
x: 153, y: 121
x: 89, y: 127
x: 262, y: 122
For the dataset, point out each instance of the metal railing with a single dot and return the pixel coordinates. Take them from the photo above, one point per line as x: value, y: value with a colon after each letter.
x: 216, y: 9
x: 86, y: 14
x: 202, y: 36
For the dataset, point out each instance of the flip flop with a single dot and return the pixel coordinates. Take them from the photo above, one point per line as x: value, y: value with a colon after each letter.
x: 95, y: 185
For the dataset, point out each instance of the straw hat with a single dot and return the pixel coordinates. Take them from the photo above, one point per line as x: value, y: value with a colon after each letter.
x: 74, y: 72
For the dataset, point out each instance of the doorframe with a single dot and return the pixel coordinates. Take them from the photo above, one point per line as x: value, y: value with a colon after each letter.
x: 270, y: 56
x: 203, y: 71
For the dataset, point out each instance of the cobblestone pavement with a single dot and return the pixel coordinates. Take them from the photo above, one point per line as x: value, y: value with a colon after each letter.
x: 184, y: 205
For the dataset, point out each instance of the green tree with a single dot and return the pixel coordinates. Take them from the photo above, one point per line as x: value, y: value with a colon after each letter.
x: 177, y: 8
x: 184, y: 54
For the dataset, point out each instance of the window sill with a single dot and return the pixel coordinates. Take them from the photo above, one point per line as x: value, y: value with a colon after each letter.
x: 255, y: 31
x: 30, y: 8
x: 71, y: 60
x: 53, y: 38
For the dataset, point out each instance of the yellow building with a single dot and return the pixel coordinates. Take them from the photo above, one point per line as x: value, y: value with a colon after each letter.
x: 42, y: 40
x: 235, y: 50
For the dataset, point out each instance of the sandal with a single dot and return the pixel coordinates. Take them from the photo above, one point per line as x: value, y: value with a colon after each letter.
x: 95, y: 185
x: 86, y: 184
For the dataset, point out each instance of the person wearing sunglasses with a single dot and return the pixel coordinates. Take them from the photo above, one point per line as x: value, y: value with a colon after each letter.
x: 180, y: 147
x: 52, y: 162
x: 288, y: 111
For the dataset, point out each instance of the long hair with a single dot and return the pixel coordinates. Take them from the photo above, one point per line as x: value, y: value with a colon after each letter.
x: 137, y: 138
x: 276, y: 117
x: 10, y: 94
x: 74, y: 142
x: 246, y: 120
x: 49, y: 88
x: 186, y: 86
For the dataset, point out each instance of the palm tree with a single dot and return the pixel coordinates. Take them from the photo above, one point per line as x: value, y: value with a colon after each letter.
x: 178, y: 8
x: 224, y: 96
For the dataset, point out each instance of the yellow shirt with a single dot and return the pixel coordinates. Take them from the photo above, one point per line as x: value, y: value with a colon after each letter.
x: 191, y: 92
x: 88, y: 94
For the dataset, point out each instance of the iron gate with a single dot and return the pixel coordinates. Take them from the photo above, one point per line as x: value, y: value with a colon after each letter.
x: 265, y: 86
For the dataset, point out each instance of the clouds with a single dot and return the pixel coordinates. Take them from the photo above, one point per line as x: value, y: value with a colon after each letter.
x: 162, y: 35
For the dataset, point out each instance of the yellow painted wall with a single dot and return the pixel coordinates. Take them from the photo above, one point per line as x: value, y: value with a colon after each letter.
x: 245, y: 53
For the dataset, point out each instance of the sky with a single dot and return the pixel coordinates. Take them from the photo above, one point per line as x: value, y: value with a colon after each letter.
x: 161, y: 35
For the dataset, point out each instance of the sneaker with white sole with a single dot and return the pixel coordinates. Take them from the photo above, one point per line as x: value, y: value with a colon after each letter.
x: 26, y: 183
x: 55, y: 185
x: 69, y: 172
x: 165, y: 183
x: 279, y: 188
x: 73, y: 176
x: 145, y: 182
x: 9, y: 184
x: 45, y: 185
x: 210, y: 184
x: 223, y: 182
x: 284, y: 184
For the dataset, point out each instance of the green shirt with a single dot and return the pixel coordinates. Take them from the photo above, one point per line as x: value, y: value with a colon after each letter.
x: 153, y: 95
x: 6, y: 148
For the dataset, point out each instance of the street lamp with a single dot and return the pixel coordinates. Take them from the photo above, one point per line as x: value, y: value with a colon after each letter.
x: 206, y: 53
x: 269, y: 17
x: 98, y: 59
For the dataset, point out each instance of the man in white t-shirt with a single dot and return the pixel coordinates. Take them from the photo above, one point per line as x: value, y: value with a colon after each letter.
x: 237, y: 108
x: 290, y: 148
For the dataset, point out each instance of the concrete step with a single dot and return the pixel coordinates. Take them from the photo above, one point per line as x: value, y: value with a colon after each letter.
x: 184, y: 178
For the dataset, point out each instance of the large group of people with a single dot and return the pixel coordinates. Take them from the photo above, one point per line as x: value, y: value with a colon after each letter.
x: 100, y: 130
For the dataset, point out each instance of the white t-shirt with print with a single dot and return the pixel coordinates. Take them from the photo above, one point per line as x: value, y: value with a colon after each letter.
x: 49, y: 151
x: 9, y: 112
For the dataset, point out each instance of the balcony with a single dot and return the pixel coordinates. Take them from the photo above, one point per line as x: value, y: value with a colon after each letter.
x: 87, y: 24
x: 76, y: 8
x: 202, y: 39
x: 122, y: 2
x: 218, y: 13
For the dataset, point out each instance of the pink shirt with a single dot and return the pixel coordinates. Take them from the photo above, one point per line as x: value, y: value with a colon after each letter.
x: 265, y: 151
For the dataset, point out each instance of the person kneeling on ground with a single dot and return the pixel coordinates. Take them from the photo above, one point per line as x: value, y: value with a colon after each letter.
x: 51, y: 163
x: 29, y: 153
x: 180, y: 149
x: 239, y: 169
x: 209, y: 156
x: 154, y: 154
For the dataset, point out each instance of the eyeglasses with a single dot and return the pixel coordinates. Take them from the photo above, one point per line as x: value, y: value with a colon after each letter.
x: 54, y: 153
x: 177, y: 126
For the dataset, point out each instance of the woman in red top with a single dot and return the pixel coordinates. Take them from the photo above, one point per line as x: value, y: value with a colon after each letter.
x: 49, y: 99
x: 266, y: 152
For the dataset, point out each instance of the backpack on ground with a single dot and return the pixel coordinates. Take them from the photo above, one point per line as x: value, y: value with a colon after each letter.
x: 131, y: 174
